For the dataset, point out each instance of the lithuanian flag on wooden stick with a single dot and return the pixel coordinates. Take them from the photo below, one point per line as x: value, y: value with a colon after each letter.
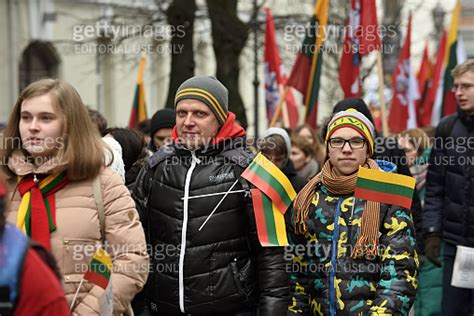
x: 99, y: 273
x: 270, y: 180
x: 138, y: 113
x: 383, y: 187
x: 100, y: 269
x: 270, y: 201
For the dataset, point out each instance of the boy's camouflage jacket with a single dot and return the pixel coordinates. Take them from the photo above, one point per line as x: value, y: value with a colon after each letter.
x: 325, y: 280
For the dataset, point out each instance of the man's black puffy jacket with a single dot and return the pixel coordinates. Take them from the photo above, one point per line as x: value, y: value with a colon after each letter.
x: 220, y: 269
x: 449, y: 197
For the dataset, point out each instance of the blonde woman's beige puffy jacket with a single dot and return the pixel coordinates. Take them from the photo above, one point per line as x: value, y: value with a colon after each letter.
x: 78, y: 234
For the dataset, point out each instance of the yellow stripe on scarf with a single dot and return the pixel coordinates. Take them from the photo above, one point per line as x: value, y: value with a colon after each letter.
x: 20, y: 221
x: 25, y: 203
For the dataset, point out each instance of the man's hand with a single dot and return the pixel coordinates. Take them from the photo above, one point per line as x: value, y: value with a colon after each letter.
x: 432, y: 248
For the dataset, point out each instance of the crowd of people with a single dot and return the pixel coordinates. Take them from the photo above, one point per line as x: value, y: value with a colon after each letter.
x: 169, y: 205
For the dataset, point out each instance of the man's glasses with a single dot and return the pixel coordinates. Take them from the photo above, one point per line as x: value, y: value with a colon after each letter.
x: 354, y: 143
x: 462, y: 86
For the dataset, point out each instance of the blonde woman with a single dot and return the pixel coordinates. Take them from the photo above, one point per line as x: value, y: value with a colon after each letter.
x: 52, y: 153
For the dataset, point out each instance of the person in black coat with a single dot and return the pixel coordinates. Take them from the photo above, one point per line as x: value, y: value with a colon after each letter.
x: 448, y: 212
x: 198, y: 216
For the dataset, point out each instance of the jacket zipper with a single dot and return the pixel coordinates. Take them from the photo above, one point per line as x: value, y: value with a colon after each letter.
x: 335, y: 237
x: 238, y: 278
x: 349, y: 227
x: 184, y: 230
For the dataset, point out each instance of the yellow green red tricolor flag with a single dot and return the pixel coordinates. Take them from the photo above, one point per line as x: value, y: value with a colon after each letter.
x: 100, y: 269
x: 455, y: 54
x: 271, y: 200
x: 306, y: 73
x: 270, y: 221
x: 383, y: 187
x: 138, y: 113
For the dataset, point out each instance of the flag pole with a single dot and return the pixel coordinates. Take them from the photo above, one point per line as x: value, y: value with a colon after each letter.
x: 256, y: 82
x: 381, y: 94
x: 75, y: 295
x: 218, y: 204
x: 278, y: 110
x: 286, y: 119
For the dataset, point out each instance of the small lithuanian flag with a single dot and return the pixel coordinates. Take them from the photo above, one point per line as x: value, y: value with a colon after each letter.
x: 383, y: 187
x: 270, y: 221
x: 270, y: 180
x: 270, y: 201
x: 100, y: 269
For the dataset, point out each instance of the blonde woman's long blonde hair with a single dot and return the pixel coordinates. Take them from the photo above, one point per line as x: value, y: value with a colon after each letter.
x: 82, y: 148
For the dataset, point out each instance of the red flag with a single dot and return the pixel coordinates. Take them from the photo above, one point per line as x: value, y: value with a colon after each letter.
x: 405, y: 90
x: 350, y: 57
x: 424, y: 73
x: 369, y: 37
x: 423, y: 78
x: 291, y: 107
x: 361, y: 38
x: 435, y: 85
x: 138, y: 113
x: 306, y: 71
x: 272, y: 67
x: 275, y: 76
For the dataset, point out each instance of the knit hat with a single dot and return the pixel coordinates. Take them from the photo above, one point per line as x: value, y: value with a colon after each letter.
x: 208, y: 90
x: 165, y: 118
x: 357, y: 104
x: 355, y: 120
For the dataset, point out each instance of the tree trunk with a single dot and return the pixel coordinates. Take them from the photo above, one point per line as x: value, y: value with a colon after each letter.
x: 180, y: 15
x: 229, y: 36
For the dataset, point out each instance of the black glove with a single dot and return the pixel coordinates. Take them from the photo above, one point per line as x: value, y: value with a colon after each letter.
x: 432, y: 248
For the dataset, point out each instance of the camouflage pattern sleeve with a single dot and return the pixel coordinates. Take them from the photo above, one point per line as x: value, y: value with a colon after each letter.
x: 297, y: 264
x: 396, y: 289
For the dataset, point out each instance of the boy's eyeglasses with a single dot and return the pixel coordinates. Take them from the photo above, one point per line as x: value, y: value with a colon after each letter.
x: 354, y: 143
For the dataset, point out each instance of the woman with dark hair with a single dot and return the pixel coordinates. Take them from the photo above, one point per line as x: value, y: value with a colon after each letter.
x: 132, y: 142
x: 55, y: 160
x: 134, y: 151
